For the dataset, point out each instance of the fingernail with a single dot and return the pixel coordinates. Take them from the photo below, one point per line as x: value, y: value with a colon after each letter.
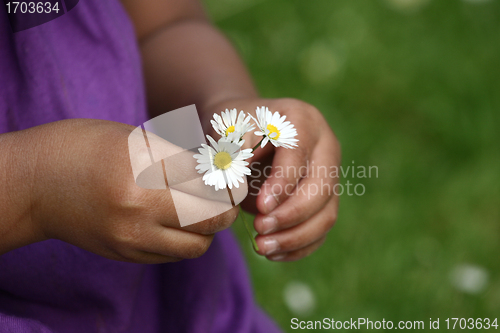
x: 270, y: 202
x: 271, y: 246
x: 278, y: 257
x: 270, y: 224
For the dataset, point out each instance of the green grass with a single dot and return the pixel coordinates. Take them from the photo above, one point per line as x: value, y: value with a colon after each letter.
x: 415, y: 93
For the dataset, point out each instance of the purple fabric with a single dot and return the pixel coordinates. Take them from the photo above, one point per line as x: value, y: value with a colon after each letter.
x: 85, y: 64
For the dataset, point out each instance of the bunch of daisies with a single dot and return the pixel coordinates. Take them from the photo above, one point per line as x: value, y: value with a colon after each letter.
x: 223, y: 163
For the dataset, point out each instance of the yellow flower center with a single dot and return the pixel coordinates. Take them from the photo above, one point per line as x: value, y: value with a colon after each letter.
x: 230, y: 129
x: 272, y: 129
x: 222, y: 160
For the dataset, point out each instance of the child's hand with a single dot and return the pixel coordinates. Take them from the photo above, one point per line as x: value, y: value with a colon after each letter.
x: 84, y: 193
x: 295, y: 208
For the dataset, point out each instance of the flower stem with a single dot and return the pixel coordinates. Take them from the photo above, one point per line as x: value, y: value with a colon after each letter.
x: 257, y: 145
x: 254, y: 243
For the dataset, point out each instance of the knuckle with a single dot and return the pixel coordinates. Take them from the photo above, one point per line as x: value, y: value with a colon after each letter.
x: 293, y: 214
x: 279, y: 188
x: 125, y: 235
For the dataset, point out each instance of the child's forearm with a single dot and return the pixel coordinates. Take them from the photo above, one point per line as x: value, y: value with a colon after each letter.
x: 186, y: 59
x: 192, y: 63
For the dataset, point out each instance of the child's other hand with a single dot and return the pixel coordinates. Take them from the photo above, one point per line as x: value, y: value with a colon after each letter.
x: 84, y: 193
x: 295, y: 208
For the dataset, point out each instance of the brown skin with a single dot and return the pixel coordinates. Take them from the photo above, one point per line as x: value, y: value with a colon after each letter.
x: 58, y: 185
x: 82, y: 192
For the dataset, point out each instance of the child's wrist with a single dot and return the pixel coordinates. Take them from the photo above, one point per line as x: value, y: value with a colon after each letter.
x: 17, y: 171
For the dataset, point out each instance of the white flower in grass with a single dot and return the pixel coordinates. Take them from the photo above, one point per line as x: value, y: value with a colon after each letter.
x: 223, y: 164
x: 470, y: 279
x: 299, y: 298
x: 275, y: 129
x: 232, y: 125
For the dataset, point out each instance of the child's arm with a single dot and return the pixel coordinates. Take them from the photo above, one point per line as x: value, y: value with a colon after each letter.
x: 187, y: 61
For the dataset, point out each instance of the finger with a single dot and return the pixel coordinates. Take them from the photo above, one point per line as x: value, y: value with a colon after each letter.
x: 290, y: 164
x: 298, y: 254
x: 310, y: 196
x: 179, y: 243
x: 158, y: 240
x: 288, y: 167
x: 200, y: 215
x: 260, y: 166
x: 300, y: 236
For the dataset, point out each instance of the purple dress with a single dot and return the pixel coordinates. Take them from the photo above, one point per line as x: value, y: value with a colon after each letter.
x: 86, y: 64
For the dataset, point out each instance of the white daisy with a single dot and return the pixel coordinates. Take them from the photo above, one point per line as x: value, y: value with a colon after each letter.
x: 231, y: 126
x: 223, y: 164
x: 275, y: 129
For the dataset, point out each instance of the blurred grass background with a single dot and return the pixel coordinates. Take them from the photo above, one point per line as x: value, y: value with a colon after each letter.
x: 410, y: 86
